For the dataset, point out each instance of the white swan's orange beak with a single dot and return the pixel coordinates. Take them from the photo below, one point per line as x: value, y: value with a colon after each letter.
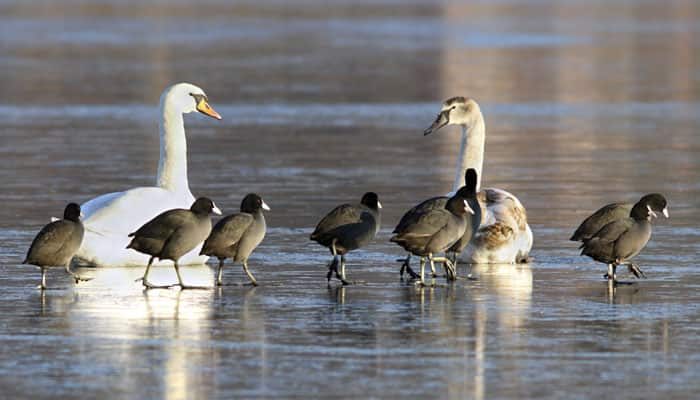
x: 206, y: 109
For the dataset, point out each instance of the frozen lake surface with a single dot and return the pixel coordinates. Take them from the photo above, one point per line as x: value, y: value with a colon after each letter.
x: 586, y: 103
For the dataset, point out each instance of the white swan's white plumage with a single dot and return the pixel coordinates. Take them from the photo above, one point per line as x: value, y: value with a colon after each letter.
x: 111, y: 217
x: 504, y: 235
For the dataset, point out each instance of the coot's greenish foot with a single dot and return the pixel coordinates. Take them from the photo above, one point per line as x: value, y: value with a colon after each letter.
x: 619, y: 241
x: 173, y: 234
x: 346, y: 228
x: 56, y: 244
x: 237, y: 235
x: 434, y: 231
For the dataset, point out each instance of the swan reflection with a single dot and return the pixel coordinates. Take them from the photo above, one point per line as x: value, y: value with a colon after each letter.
x: 149, y: 328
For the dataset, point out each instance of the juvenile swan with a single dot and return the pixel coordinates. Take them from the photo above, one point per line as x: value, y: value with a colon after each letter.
x: 109, y: 218
x: 504, y: 235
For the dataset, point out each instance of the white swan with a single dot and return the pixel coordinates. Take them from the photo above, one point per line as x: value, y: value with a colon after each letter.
x: 111, y: 217
x: 504, y: 235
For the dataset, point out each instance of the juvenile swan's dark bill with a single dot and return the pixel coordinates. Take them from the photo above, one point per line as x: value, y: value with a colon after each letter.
x: 173, y: 234
x: 346, y: 228
x: 57, y: 243
x: 619, y: 241
x: 237, y: 235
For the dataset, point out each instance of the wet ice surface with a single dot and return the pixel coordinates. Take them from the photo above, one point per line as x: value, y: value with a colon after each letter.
x: 585, y: 104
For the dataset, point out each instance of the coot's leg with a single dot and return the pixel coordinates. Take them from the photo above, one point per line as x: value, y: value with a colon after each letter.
x: 406, y: 266
x: 333, y: 265
x: 432, y: 266
x: 220, y: 273
x: 43, y: 279
x: 611, y: 272
x: 450, y: 272
x: 144, y: 279
x: 250, y: 276
x: 634, y: 268
x: 342, y: 270
x: 179, y: 279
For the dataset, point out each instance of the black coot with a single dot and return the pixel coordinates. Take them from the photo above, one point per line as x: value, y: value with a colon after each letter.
x: 57, y: 243
x: 436, y: 231
x: 346, y: 228
x: 622, y: 239
x: 237, y: 235
x: 610, y: 213
x: 439, y: 202
x: 173, y: 234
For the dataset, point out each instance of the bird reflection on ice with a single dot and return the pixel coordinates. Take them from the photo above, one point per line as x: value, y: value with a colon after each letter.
x: 118, y: 309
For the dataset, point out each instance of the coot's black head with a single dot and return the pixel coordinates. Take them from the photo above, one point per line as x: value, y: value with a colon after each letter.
x: 656, y: 203
x: 72, y: 212
x: 252, y: 203
x: 371, y: 200
x: 457, y: 204
x: 204, y: 206
x: 470, y: 179
x: 648, y: 207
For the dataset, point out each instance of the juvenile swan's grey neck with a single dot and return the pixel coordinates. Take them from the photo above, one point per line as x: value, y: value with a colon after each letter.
x: 471, y: 153
x: 172, y: 167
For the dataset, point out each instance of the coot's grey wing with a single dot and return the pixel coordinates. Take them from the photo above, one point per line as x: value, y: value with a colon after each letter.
x: 228, y: 231
x: 601, y: 246
x: 51, y: 239
x: 596, y: 221
x: 426, y: 224
x: 341, y: 215
x: 427, y: 205
x: 164, y: 224
x: 613, y: 230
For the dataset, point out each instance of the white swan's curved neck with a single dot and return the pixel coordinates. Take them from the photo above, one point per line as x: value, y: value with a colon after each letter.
x: 172, y: 167
x: 471, y: 153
